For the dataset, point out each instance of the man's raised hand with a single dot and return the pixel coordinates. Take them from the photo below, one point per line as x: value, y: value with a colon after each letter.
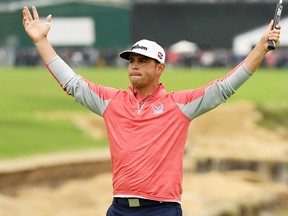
x: 36, y: 29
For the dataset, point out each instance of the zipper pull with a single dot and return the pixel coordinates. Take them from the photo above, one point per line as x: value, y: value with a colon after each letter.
x: 139, y: 110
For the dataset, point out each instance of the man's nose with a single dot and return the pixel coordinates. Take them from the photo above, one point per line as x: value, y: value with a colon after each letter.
x: 135, y: 65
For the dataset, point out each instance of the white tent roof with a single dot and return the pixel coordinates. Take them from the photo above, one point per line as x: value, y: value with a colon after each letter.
x: 243, y: 43
x: 184, y: 47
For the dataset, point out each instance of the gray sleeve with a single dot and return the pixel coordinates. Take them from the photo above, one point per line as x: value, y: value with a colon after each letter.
x: 95, y: 97
x: 215, y: 93
x: 62, y: 73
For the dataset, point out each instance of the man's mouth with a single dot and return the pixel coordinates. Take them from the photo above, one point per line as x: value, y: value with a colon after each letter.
x: 134, y: 74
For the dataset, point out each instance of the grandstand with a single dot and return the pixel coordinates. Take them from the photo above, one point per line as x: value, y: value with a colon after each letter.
x: 126, y: 19
x: 155, y: 1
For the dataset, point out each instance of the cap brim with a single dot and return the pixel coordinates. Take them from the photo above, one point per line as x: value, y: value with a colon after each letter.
x: 126, y: 54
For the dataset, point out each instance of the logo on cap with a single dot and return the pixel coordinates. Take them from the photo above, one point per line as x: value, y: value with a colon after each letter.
x: 137, y: 46
x: 160, y: 55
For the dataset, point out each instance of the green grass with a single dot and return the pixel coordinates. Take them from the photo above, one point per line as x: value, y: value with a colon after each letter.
x: 283, y: 212
x: 28, y: 91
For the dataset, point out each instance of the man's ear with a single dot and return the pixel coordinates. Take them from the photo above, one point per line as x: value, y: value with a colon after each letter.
x: 160, y: 68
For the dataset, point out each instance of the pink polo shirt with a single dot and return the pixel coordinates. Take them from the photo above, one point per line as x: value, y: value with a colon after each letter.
x: 147, y: 136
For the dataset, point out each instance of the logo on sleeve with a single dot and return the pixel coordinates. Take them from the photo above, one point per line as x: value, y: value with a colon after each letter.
x: 158, y: 110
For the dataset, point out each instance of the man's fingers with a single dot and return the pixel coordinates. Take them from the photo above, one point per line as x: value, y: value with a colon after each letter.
x: 25, y: 20
x: 48, y: 19
x: 270, y: 26
x: 35, y: 13
x: 27, y: 17
x: 28, y: 14
x: 275, y: 33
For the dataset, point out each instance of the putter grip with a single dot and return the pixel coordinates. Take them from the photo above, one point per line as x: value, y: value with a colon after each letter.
x: 277, y: 16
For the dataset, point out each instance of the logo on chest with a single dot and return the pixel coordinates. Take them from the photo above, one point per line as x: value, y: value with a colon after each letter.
x: 157, y: 110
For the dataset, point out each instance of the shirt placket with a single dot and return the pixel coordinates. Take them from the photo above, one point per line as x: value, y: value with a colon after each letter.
x: 142, y: 103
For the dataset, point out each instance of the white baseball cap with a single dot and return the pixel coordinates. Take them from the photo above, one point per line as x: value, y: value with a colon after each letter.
x: 147, y: 48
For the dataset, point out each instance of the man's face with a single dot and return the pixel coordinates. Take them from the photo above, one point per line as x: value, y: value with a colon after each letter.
x: 143, y: 71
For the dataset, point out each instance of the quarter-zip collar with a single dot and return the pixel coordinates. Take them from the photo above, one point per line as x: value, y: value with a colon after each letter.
x: 142, y: 101
x: 138, y: 96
